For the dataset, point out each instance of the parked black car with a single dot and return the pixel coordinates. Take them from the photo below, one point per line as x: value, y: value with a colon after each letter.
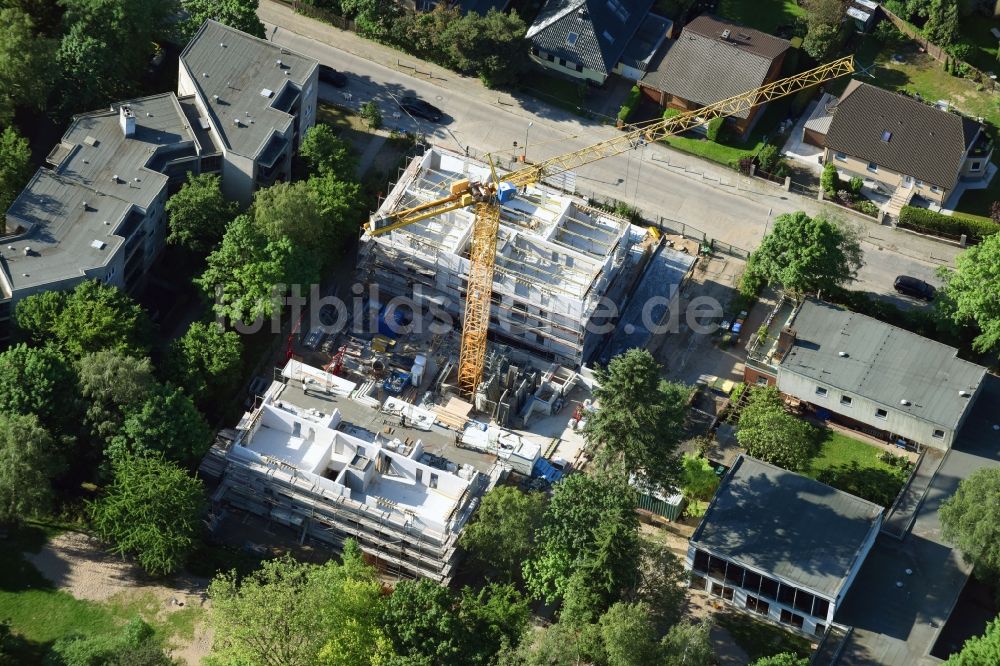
x: 421, y: 109
x: 911, y: 286
x: 329, y: 75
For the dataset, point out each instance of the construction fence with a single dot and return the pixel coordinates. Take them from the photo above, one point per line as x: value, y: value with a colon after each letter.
x: 687, y: 231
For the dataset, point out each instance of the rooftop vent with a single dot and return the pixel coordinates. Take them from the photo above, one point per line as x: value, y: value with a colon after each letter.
x: 107, y: 223
x: 964, y: 394
x: 843, y: 354
x: 222, y: 45
x: 97, y: 244
x: 27, y: 250
x: 904, y: 402
x: 83, y: 205
x: 205, y: 74
x: 726, y: 34
x: 236, y: 122
x: 11, y: 248
x: 114, y: 178
x: 277, y: 63
x: 90, y: 141
x: 266, y: 92
x: 215, y: 97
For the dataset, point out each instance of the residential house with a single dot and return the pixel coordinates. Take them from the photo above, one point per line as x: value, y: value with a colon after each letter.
x: 713, y: 60
x: 866, y: 374
x: 781, y: 545
x: 590, y: 39
x: 902, y: 145
x: 257, y: 100
x: 316, y: 456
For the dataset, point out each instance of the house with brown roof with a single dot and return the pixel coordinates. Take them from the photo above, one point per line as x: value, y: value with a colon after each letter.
x: 713, y: 60
x: 906, y: 147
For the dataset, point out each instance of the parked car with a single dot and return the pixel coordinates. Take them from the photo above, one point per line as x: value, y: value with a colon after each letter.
x: 421, y: 109
x: 329, y: 75
x: 911, y: 286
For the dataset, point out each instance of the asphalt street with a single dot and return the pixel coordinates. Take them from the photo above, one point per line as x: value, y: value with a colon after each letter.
x: 657, y: 180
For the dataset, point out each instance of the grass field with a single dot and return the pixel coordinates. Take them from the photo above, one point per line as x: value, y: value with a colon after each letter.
x: 853, y: 466
x: 765, y: 15
x: 762, y: 639
x: 975, y: 31
x: 839, y: 449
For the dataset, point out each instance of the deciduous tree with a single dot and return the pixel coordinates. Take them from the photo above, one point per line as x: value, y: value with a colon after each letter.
x: 493, y: 47
x: 199, y: 213
x: 688, y: 644
x: 502, y: 532
x: 207, y: 362
x: 782, y: 659
x: 28, y: 462
x: 629, y: 635
x: 968, y: 519
x: 970, y: 292
x: 15, y: 158
x: 239, y: 14
x: 979, y: 650
x: 152, y: 510
x: 640, y: 418
x: 700, y: 479
x: 114, y: 386
x: 327, y: 153
x: 771, y: 434
x: 24, y: 70
x: 805, y: 255
x: 167, y: 424
x: 40, y: 381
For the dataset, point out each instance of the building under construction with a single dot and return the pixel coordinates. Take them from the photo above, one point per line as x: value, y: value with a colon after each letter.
x: 556, y: 259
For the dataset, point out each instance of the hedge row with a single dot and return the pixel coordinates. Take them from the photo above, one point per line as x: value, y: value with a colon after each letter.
x: 631, y: 102
x: 922, y: 219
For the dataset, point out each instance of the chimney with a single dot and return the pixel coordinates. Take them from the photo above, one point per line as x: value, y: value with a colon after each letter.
x: 786, y: 338
x: 126, y: 118
x: 726, y: 34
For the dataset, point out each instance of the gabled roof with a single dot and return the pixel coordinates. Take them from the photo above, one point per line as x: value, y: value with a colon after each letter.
x: 704, y: 67
x: 923, y: 142
x: 593, y: 33
x: 786, y: 525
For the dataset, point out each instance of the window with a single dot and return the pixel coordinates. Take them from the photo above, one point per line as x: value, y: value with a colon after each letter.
x: 751, y: 581
x: 722, y: 591
x: 821, y: 607
x: 607, y: 35
x: 562, y: 61
x: 786, y: 595
x: 700, y: 561
x: 717, y: 568
x: 939, y: 434
x: 820, y: 391
x: 434, y: 480
x: 881, y: 413
x: 757, y: 605
x: 579, y: 67
x: 698, y: 582
x: 768, y: 587
x: 872, y: 167
x: 619, y: 9
x: 803, y: 601
x: 976, y: 165
x: 734, y: 575
x: 840, y: 156
x: 571, y: 38
x: 787, y: 617
x: 820, y: 629
x: 534, y: 50
x: 761, y: 381
x: 550, y: 57
x: 846, y: 400
x: 935, y: 189
x: 420, y: 475
x: 919, y: 183
x: 886, y: 136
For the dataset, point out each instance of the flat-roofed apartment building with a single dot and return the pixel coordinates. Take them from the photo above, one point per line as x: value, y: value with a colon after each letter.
x: 313, y: 457
x: 883, y: 380
x: 556, y: 258
x: 96, y: 211
x: 781, y: 545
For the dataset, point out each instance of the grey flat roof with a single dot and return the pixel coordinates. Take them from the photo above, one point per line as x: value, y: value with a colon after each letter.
x: 58, y: 229
x: 786, y: 524
x: 237, y: 67
x: 884, y: 364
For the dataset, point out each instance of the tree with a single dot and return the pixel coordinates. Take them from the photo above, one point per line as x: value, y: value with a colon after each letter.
x: 370, y: 113
x: 824, y: 12
x: 245, y: 272
x: 114, y: 386
x: 970, y: 292
x: 292, y: 613
x: 968, y: 519
x: 24, y: 72
x: 688, y: 644
x: 700, y: 479
x: 979, y: 650
x: 40, y: 381
x: 589, y: 519
x: 805, y: 255
x: 629, y: 636
x: 640, y: 418
x: 560, y: 645
x: 662, y: 584
x: 373, y: 18
x: 782, y: 659
x: 771, y: 434
x: 338, y: 202
x: 942, y: 26
x: 493, y: 46
x: 92, y: 317
x: 327, y: 153
x: 167, y: 424
x: 821, y: 41
x: 502, y: 531
x: 290, y: 211
x: 15, y: 157
x: 152, y: 510
x: 207, y: 361
x: 713, y: 131
x: 27, y: 466
x: 239, y: 14
x: 830, y: 180
x: 199, y: 213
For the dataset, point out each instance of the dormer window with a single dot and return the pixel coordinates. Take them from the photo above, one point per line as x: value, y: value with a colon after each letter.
x: 607, y: 36
x: 571, y: 38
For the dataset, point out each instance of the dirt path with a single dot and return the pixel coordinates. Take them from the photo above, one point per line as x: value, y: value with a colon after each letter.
x: 76, y: 563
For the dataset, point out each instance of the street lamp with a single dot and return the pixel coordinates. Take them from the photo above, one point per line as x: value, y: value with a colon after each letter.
x: 526, y: 129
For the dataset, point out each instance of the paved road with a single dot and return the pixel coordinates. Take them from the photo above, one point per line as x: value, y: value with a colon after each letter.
x: 659, y: 181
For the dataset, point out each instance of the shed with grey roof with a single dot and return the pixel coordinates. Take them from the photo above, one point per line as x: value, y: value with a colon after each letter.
x: 782, y: 544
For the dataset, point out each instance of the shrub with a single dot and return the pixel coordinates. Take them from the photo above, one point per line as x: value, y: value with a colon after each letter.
x: 922, y: 219
x: 670, y: 113
x: 845, y: 198
x: 631, y: 102
x: 886, y: 33
x: 714, y: 130
x: 371, y: 115
x: 768, y: 157
x: 830, y: 180
x: 867, y: 207
x: 960, y: 51
x: 855, y: 185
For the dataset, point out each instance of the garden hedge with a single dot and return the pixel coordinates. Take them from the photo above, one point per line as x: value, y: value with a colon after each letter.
x: 631, y: 102
x: 922, y: 219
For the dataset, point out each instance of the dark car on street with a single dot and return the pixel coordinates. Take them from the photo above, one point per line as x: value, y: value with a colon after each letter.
x: 421, y: 109
x: 917, y: 288
x: 329, y: 75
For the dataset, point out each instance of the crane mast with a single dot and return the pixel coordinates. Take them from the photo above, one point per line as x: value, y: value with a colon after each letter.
x: 486, y: 198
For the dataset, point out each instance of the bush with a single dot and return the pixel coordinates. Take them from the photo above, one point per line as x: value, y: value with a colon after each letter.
x: 371, y: 115
x: 922, y: 219
x: 867, y: 207
x: 631, y: 102
x: 768, y: 157
x: 714, y: 130
x: 886, y: 34
x: 960, y: 51
x: 830, y: 180
x: 845, y: 198
x: 855, y: 185
x: 670, y: 113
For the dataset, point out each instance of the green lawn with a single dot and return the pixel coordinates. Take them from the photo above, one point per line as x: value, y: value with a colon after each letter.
x: 765, y: 15
x: 762, y: 639
x: 556, y: 90
x: 853, y: 466
x: 839, y: 449
x: 980, y: 202
x: 975, y: 31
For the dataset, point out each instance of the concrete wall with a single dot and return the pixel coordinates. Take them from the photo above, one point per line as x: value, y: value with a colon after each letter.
x: 851, y: 166
x: 863, y: 409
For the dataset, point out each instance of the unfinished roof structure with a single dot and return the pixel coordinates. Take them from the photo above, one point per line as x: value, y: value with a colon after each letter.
x: 556, y: 258
x: 300, y: 461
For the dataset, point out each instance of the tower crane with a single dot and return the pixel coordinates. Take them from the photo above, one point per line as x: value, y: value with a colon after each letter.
x: 486, y: 198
